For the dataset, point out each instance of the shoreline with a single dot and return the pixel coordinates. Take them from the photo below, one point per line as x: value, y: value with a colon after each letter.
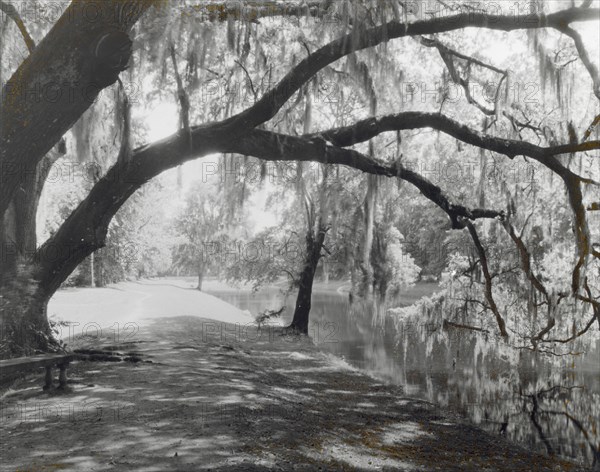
x: 214, y: 397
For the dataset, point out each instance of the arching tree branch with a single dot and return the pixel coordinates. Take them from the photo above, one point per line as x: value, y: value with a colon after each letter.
x: 268, y: 106
x: 86, y: 228
x: 371, y: 127
x: 277, y: 147
x: 367, y: 129
x: 19, y: 154
x: 147, y: 162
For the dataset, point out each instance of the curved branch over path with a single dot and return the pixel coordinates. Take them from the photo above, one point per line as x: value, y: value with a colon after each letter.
x: 85, y: 230
x: 367, y: 129
x: 268, y: 106
x: 371, y: 127
x: 67, y: 46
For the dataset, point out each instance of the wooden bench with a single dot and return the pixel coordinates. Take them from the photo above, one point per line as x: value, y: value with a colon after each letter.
x: 10, y: 367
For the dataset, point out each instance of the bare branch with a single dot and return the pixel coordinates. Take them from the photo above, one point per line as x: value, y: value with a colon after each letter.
x: 447, y: 53
x: 585, y: 58
x: 184, y: 101
x: 432, y: 42
x: 596, y: 316
x: 525, y: 260
x: 450, y: 324
x: 574, y: 336
x: 13, y: 14
x: 589, y: 131
x: 254, y: 92
x: 488, y: 279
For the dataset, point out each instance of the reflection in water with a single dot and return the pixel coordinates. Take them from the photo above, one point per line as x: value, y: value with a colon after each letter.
x: 548, y: 404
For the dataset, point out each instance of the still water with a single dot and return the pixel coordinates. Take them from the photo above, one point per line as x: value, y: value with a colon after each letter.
x: 551, y: 405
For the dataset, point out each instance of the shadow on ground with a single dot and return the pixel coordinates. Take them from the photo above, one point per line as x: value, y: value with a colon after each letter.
x: 226, y: 397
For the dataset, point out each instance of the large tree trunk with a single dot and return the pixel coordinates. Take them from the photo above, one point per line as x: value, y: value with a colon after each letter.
x: 18, y: 239
x: 23, y: 318
x: 81, y: 55
x: 8, y: 246
x: 18, y: 229
x: 24, y: 311
x: 314, y: 244
x: 38, y: 337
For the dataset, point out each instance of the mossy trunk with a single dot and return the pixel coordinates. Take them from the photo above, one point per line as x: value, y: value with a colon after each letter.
x: 23, y: 306
x: 24, y: 326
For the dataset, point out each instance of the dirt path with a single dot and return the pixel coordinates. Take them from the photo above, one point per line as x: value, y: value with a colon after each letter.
x: 224, y: 397
x: 131, y: 303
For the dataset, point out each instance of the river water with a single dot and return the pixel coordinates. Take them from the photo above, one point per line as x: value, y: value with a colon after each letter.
x: 551, y: 405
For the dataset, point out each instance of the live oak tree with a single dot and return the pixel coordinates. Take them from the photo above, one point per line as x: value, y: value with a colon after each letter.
x: 61, y: 77
x: 85, y: 55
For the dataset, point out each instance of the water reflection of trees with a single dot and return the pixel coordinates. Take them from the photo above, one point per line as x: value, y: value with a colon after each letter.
x: 550, y: 403
x: 542, y: 401
x: 547, y: 404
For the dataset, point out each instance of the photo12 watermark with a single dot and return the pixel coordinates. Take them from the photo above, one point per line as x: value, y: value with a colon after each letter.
x: 33, y: 414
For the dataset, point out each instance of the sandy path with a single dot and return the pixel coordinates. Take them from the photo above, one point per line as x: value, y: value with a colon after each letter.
x: 226, y: 398
x: 122, y: 308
